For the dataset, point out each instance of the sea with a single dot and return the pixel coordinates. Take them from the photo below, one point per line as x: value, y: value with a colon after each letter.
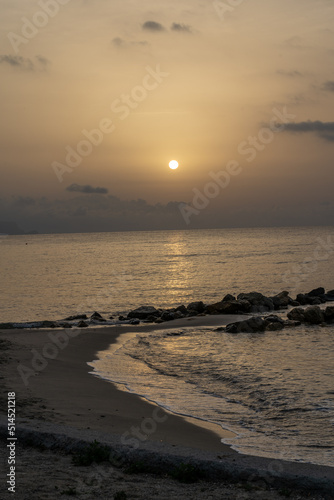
x: 274, y: 390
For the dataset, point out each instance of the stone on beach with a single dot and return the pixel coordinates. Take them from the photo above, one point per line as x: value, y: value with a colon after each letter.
x: 143, y: 312
x: 312, y: 315
x: 258, y: 301
x: 75, y: 317
x: 198, y: 307
x: 97, y: 317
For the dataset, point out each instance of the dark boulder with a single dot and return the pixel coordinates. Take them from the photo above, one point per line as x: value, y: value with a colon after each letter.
x: 281, y: 300
x: 296, y: 314
x: 313, y: 315
x: 198, y: 307
x: 259, y: 302
x: 329, y: 314
x: 97, y: 317
x: 167, y: 316
x: 228, y: 298
x: 317, y: 292
x: 182, y: 309
x: 274, y: 323
x: 274, y: 327
x: 77, y: 316
x: 82, y: 324
x: 143, y: 312
x: 178, y: 315
x: 216, y: 308
x: 229, y: 307
x: 302, y: 299
x: 251, y: 325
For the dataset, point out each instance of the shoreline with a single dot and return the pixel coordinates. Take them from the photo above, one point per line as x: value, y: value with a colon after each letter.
x: 64, y: 398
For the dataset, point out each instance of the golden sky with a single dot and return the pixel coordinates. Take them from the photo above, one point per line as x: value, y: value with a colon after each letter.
x: 208, y: 83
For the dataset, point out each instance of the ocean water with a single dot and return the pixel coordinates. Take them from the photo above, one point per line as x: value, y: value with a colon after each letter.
x: 53, y: 276
x: 274, y: 390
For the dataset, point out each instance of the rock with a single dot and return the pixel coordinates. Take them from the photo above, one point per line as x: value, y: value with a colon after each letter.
x: 97, y: 317
x: 314, y: 297
x: 329, y: 314
x: 182, y: 309
x: 78, y: 316
x: 191, y: 313
x: 259, y: 303
x: 178, y: 315
x: 167, y: 316
x: 317, y: 292
x: 121, y: 318
x: 216, y: 308
x: 158, y: 321
x: 302, y: 299
x: 296, y: 314
x: 143, y: 312
x: 274, y: 327
x: 229, y: 307
x: 64, y: 325
x: 82, y: 324
x: 151, y: 319
x: 294, y: 303
x: 313, y: 315
x: 274, y: 323
x: 196, y: 306
x: 228, y: 298
x: 274, y: 319
x: 251, y: 325
x: 330, y: 293
x: 134, y: 321
x: 281, y: 300
x: 111, y: 317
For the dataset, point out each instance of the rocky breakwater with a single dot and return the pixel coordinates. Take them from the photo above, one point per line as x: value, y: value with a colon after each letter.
x: 311, y: 315
x: 244, y: 303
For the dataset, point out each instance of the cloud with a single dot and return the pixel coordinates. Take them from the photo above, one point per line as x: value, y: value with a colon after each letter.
x: 82, y: 213
x: 329, y: 86
x: 121, y: 43
x: 86, y: 189
x: 325, y: 130
x: 185, y: 28
x: 25, y: 64
x: 153, y: 26
x: 291, y: 74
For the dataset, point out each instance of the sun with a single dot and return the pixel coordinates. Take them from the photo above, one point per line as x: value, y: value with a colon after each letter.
x: 173, y: 164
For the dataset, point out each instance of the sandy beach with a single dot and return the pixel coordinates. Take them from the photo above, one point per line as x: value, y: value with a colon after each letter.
x: 61, y: 408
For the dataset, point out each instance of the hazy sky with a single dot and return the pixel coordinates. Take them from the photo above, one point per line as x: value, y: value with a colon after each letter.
x: 244, y: 89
